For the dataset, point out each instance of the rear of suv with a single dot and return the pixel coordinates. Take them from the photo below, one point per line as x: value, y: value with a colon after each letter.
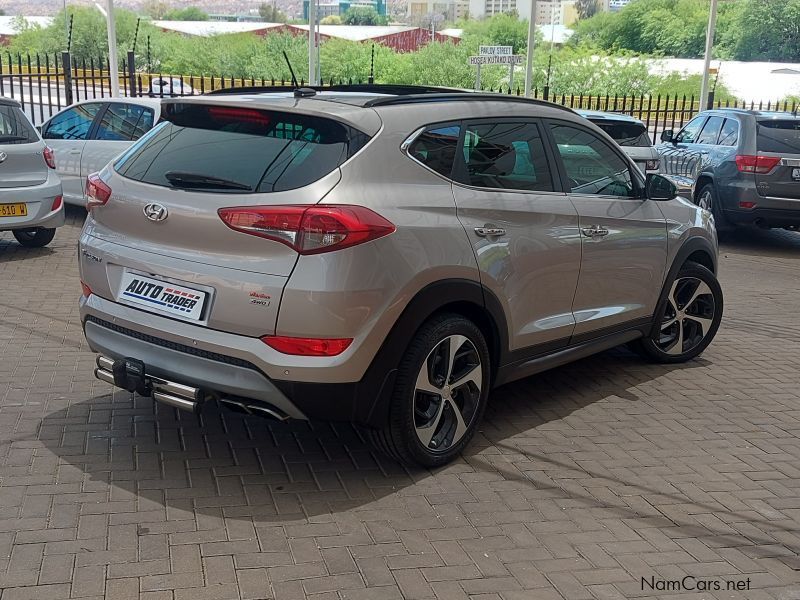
x: 31, y: 205
x: 384, y: 256
x: 744, y: 166
x: 631, y: 134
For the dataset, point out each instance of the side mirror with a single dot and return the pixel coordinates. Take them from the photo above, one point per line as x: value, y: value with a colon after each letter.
x: 668, y: 135
x: 658, y: 187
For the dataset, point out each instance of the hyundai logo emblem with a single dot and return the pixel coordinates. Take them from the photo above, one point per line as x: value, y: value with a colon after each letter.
x: 155, y: 212
x: 3, y: 157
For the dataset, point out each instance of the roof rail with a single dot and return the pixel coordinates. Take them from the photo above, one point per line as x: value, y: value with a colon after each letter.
x: 461, y: 96
x: 372, y: 88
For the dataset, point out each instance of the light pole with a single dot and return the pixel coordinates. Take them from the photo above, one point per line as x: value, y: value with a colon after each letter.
x: 113, y: 68
x: 531, y: 40
x: 312, y: 42
x: 712, y: 24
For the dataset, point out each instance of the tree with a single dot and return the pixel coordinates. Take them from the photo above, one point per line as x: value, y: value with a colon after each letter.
x: 190, y: 13
x: 331, y: 20
x: 271, y: 13
x: 155, y: 9
x: 586, y: 8
x: 364, y: 15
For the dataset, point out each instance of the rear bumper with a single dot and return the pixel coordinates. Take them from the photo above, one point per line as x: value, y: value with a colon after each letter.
x: 227, y: 366
x: 39, y: 199
x: 765, y: 217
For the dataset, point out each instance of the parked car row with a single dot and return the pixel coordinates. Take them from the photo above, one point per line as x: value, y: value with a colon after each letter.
x: 386, y: 255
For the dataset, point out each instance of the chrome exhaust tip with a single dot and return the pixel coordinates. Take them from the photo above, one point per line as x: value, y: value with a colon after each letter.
x: 261, y: 409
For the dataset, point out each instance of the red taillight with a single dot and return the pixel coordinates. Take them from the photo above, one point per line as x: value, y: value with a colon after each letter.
x: 57, y: 202
x: 97, y: 191
x: 49, y: 157
x: 85, y: 290
x: 756, y: 164
x: 747, y: 204
x: 309, y: 229
x: 307, y: 346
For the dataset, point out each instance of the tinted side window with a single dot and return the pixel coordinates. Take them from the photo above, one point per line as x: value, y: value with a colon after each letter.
x: 124, y: 122
x: 72, y: 124
x: 710, y: 131
x: 592, y: 167
x: 729, y: 135
x: 436, y: 148
x: 689, y: 133
x: 508, y: 156
x: 15, y: 127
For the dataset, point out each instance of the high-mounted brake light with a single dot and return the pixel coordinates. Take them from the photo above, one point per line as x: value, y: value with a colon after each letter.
x: 247, y: 115
x: 756, y: 164
x: 97, y: 191
x: 309, y: 229
x: 307, y: 346
x: 49, y: 157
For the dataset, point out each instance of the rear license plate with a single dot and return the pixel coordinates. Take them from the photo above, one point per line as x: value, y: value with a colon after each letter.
x: 163, y: 296
x: 14, y: 210
x: 796, y: 174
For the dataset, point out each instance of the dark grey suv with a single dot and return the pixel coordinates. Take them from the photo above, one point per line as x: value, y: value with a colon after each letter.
x: 742, y: 165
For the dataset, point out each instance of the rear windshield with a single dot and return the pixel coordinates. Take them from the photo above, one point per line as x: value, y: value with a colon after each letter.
x: 238, y: 150
x: 779, y: 136
x: 15, y: 127
x: 625, y: 134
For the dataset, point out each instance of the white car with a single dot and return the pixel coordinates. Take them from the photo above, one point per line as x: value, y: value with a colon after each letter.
x: 169, y: 86
x: 88, y: 135
x: 631, y: 134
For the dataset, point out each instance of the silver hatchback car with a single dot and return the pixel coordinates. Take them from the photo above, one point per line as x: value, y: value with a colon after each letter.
x: 31, y: 206
x: 384, y: 255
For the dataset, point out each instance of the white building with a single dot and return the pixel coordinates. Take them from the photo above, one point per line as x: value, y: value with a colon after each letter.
x: 548, y: 12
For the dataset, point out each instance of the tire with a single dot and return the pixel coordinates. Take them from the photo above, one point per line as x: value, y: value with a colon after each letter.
x: 424, y: 426
x: 707, y: 198
x: 684, y: 317
x: 34, y: 238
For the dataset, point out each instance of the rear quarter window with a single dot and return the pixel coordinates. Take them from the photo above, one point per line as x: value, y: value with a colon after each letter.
x: 239, y: 150
x: 779, y: 136
x: 15, y: 127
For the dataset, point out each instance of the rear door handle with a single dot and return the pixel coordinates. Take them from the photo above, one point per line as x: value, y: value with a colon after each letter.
x: 594, y: 231
x: 489, y: 231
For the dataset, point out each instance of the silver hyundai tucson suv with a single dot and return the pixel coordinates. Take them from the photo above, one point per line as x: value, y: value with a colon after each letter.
x: 384, y: 255
x: 31, y: 205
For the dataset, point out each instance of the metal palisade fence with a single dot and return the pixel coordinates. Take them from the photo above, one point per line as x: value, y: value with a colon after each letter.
x: 44, y: 84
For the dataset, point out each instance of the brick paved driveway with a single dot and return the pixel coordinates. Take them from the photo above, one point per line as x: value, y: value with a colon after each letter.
x: 582, y: 481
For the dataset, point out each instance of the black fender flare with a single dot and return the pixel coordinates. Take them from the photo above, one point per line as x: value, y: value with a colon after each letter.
x: 375, y: 388
x: 689, y: 247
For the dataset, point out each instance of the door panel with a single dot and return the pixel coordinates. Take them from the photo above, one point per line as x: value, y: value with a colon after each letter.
x: 524, y: 232
x: 66, y: 134
x: 622, y: 271
x: 624, y: 237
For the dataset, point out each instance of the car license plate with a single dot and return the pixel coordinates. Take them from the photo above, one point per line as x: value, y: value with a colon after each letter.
x: 162, y: 296
x: 14, y: 210
x: 796, y: 173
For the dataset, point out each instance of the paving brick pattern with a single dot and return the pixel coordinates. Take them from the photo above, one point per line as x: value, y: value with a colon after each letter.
x: 582, y: 481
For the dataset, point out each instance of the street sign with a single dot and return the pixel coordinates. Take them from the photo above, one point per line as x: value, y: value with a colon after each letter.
x: 495, y: 50
x: 511, y: 59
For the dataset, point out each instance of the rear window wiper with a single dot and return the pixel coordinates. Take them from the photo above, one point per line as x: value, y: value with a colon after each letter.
x: 197, y: 180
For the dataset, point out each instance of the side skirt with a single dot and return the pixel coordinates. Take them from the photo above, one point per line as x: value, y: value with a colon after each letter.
x: 575, y: 351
